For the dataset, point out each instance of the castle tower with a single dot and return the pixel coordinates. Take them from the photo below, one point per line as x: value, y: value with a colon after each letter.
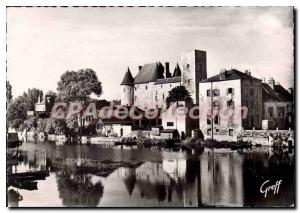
x: 194, y: 71
x: 127, y: 89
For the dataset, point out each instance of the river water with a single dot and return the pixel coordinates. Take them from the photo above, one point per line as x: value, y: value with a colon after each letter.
x: 163, y: 178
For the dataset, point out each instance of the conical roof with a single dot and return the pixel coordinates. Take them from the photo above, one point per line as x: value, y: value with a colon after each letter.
x: 177, y: 71
x: 128, y: 79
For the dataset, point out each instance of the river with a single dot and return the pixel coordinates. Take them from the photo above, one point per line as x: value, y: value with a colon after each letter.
x: 163, y: 178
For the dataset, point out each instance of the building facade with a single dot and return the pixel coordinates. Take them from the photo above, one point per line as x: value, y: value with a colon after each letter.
x: 278, y: 104
x: 228, y: 103
x: 151, y: 86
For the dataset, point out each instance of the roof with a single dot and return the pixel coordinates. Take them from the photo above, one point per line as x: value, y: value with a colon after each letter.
x: 276, y: 94
x: 149, y: 73
x: 177, y: 71
x: 168, y: 131
x: 168, y: 80
x: 230, y: 75
x: 128, y: 79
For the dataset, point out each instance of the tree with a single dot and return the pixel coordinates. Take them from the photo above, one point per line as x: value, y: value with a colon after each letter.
x: 179, y: 93
x: 16, y: 113
x: 8, y: 92
x: 31, y: 98
x: 55, y: 126
x: 77, y: 86
x: 29, y: 124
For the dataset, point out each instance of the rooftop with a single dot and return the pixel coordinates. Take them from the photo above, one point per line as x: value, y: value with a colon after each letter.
x: 230, y: 75
x: 278, y: 93
x: 149, y: 73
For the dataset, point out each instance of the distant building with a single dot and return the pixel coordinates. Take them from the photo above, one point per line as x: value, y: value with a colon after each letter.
x: 229, y: 102
x: 151, y: 86
x: 278, y: 106
x: 43, y: 108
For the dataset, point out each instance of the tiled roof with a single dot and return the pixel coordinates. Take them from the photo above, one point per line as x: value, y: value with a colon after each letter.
x: 168, y: 80
x: 276, y: 94
x: 230, y: 75
x: 149, y: 73
x: 128, y: 79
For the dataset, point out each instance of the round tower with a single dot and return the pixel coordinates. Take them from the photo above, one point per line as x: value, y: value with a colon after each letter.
x: 127, y: 89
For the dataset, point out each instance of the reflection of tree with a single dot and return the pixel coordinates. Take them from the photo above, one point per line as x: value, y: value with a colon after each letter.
x: 77, y: 189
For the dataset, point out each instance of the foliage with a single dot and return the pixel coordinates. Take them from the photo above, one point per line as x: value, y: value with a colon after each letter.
x: 16, y: 113
x: 55, y: 126
x: 179, y: 93
x: 29, y: 124
x: 41, y: 125
x: 8, y: 92
x: 31, y: 98
x: 77, y: 86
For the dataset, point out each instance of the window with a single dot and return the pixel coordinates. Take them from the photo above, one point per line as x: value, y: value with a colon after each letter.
x: 270, y: 112
x: 135, y: 98
x: 230, y: 91
x: 124, y: 90
x: 230, y: 104
x: 163, y: 96
x: 187, y: 65
x: 170, y: 85
x: 251, y: 92
x: 208, y: 93
x: 208, y: 131
x: 170, y: 123
x: 217, y: 119
x: 134, y: 88
x: 216, y: 103
x: 161, y: 86
x: 230, y: 132
x: 280, y: 112
x: 146, y: 87
x: 216, y: 92
x: 208, y: 119
x: 217, y: 130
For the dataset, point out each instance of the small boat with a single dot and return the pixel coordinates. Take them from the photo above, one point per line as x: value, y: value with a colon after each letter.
x: 12, y: 140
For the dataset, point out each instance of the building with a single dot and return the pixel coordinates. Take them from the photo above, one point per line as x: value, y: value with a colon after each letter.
x: 230, y: 102
x: 151, y: 86
x: 278, y: 106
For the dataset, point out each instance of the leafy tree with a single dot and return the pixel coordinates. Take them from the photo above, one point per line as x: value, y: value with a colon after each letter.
x: 179, y: 93
x: 29, y: 124
x: 8, y: 92
x: 16, y: 113
x: 55, y: 126
x: 77, y: 86
x: 31, y: 98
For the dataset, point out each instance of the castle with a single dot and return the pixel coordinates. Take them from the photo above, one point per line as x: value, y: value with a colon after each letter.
x: 151, y: 86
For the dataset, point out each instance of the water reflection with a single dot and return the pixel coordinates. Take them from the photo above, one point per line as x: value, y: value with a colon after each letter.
x: 77, y: 189
x: 165, y: 178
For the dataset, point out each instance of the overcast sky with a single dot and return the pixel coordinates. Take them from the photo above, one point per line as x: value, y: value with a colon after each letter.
x: 45, y: 42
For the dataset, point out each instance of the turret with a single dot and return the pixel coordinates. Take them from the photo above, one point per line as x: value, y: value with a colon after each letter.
x: 127, y: 89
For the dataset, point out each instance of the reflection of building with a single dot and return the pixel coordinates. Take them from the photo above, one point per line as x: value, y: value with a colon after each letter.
x: 221, y: 179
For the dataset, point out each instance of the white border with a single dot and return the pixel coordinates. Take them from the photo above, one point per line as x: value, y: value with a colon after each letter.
x: 5, y: 3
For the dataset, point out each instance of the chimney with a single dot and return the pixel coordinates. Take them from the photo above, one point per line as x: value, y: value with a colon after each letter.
x: 140, y: 67
x: 168, y: 74
x: 271, y: 83
x: 223, y: 73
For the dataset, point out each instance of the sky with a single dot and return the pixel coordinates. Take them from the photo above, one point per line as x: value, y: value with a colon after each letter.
x: 43, y: 43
